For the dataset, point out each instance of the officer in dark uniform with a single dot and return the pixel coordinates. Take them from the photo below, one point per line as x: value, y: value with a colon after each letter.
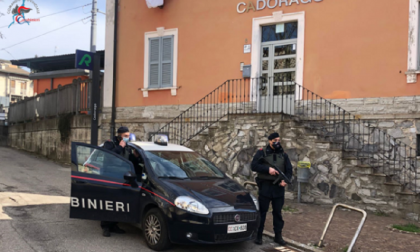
x: 273, y: 153
x: 119, y: 145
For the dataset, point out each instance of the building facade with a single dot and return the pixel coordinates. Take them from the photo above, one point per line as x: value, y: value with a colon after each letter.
x: 361, y: 55
x: 51, y: 72
x: 15, y: 84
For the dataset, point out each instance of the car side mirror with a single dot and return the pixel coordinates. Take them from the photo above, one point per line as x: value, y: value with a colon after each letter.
x: 129, y: 176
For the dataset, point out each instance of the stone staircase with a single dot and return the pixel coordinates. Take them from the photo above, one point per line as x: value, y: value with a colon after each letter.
x: 338, y: 174
x: 353, y: 159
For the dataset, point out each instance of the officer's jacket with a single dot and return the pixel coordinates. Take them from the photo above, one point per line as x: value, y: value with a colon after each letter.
x: 115, y: 146
x: 266, y: 188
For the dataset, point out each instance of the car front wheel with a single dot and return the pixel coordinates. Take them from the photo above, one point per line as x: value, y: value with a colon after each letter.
x: 155, y: 230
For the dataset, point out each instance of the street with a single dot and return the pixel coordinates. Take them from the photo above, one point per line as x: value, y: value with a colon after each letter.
x: 47, y: 227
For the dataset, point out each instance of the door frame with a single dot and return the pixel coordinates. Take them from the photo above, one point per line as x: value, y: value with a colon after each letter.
x: 99, y: 186
x: 278, y: 17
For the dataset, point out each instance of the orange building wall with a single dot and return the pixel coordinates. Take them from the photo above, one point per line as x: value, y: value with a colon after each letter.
x: 353, y: 49
x: 41, y: 84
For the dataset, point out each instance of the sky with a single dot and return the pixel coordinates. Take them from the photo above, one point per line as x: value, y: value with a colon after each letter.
x: 62, y: 41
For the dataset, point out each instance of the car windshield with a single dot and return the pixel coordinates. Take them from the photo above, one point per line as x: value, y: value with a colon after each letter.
x: 183, y: 165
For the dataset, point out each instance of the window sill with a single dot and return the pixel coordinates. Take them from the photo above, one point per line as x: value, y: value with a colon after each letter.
x: 412, y: 76
x: 146, y: 90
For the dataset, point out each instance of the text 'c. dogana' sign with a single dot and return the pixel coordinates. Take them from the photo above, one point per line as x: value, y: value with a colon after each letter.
x: 242, y: 7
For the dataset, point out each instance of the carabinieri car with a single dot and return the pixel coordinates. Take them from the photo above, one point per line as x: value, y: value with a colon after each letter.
x: 177, y: 196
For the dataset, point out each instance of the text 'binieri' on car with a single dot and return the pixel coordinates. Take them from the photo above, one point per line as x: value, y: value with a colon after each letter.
x: 173, y: 194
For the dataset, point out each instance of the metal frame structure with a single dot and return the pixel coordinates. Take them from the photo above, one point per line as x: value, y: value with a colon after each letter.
x: 359, y: 229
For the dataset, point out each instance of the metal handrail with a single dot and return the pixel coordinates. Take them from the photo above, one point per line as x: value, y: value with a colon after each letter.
x: 359, y: 229
x: 355, y: 136
x: 250, y: 183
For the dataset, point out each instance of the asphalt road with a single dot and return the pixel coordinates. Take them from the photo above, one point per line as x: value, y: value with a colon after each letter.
x: 49, y: 228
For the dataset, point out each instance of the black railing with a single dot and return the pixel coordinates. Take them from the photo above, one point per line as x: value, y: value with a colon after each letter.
x: 358, y: 138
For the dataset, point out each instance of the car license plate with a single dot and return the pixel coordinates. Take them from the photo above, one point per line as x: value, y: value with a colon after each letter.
x: 236, y: 228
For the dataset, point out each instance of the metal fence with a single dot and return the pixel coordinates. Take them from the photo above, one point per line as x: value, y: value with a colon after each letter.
x: 358, y: 138
x: 72, y: 98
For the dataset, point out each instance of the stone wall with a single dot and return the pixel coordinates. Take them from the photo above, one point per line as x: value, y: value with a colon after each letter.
x: 396, y: 107
x: 3, y: 135
x: 43, y: 137
x: 140, y: 120
x: 334, y: 178
x: 399, y: 116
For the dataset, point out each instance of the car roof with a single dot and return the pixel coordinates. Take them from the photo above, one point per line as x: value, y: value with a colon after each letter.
x: 150, y: 146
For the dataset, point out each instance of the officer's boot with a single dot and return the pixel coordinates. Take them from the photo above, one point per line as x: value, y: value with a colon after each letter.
x: 106, y: 232
x: 258, y: 240
x: 279, y: 239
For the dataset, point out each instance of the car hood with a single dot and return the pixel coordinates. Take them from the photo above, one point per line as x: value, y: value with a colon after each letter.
x: 213, y: 193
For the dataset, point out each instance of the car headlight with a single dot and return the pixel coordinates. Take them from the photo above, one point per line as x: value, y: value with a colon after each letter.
x: 191, y: 205
x: 257, y: 205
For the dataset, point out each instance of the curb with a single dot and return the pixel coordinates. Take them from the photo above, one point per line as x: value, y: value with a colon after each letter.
x: 294, y: 243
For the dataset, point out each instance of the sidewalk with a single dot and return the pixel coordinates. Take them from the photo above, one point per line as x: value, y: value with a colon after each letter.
x: 307, y: 228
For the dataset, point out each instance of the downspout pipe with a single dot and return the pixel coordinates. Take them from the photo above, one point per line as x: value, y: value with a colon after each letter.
x: 114, y: 81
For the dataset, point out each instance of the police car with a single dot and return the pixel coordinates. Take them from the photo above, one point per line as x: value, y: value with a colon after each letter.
x: 177, y: 197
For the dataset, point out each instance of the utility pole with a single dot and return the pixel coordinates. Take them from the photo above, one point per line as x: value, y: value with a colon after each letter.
x: 92, y: 42
x: 94, y: 77
x: 93, y: 26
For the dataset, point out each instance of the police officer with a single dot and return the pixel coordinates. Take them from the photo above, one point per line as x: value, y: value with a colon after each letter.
x: 273, y: 153
x: 119, y: 145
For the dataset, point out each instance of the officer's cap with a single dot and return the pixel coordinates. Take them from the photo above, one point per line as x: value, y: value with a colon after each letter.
x: 273, y: 136
x: 122, y: 130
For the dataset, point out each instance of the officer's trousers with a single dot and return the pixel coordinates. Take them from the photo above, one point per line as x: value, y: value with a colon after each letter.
x: 277, y: 204
x: 108, y: 224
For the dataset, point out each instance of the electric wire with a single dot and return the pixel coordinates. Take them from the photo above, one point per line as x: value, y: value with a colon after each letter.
x: 3, y: 49
x: 56, y: 13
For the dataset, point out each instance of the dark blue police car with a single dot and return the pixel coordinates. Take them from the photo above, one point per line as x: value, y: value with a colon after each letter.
x: 177, y: 196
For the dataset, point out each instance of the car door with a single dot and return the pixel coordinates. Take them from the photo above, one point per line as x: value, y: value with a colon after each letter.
x: 98, y: 188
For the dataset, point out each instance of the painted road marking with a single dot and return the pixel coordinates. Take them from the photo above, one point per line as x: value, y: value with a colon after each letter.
x: 282, y: 249
x: 27, y: 199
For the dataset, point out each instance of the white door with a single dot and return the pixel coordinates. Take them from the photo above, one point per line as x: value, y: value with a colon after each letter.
x: 278, y: 71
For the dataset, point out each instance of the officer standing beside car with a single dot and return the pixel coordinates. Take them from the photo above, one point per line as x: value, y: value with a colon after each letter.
x: 274, y: 154
x: 119, y: 145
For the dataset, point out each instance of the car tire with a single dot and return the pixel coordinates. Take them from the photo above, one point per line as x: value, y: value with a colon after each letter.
x: 155, y: 230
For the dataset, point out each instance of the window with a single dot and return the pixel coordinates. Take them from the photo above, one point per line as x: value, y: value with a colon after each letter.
x: 23, y: 88
x: 290, y: 31
x: 15, y: 99
x: 182, y: 165
x: 96, y: 161
x: 12, y: 87
x: 160, y: 62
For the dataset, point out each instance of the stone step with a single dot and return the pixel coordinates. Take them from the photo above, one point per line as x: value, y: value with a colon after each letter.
x: 362, y: 170
x: 392, y: 184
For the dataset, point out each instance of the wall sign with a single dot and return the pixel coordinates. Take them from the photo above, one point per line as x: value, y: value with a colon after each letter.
x: 243, y: 7
x: 247, y: 48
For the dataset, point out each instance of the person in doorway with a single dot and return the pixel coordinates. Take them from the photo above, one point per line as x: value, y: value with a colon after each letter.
x: 274, y: 154
x: 119, y: 145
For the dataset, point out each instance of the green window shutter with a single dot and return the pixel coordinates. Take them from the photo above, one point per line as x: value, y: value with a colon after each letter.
x: 167, y: 61
x: 154, y: 62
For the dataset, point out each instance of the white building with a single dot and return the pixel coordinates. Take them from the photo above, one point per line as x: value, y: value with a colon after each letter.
x: 15, y: 85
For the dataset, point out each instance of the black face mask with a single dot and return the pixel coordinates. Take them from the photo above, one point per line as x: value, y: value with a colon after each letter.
x: 277, y: 145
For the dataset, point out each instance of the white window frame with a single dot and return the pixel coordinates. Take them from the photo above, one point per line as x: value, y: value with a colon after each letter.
x: 278, y: 17
x: 160, y: 32
x: 413, y: 68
